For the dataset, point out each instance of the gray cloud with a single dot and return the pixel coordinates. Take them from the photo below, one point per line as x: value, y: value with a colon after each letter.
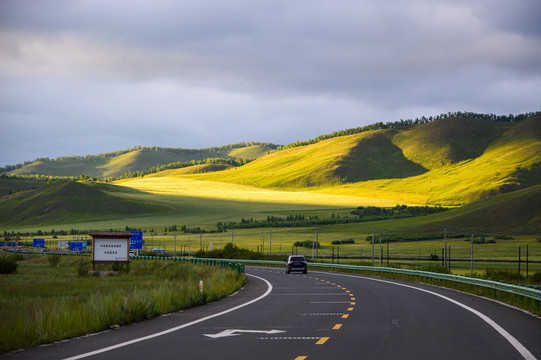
x: 196, y: 74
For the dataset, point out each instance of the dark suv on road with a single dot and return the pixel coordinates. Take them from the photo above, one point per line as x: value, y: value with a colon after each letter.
x: 296, y: 263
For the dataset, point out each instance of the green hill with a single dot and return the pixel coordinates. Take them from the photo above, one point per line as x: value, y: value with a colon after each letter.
x: 515, y: 212
x: 449, y: 162
x: 137, y: 159
x: 70, y: 201
x: 359, y: 157
x: 448, y: 141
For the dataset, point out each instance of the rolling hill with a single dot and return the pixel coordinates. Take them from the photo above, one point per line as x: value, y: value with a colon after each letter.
x: 449, y: 162
x: 136, y: 159
x: 70, y: 201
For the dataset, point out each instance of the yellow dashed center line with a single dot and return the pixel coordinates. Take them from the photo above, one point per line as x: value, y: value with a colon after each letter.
x: 350, y: 309
x: 301, y: 357
x: 337, y: 327
x: 322, y: 340
x: 353, y: 303
x: 345, y: 316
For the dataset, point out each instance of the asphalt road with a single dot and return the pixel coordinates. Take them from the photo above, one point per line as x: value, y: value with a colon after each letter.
x: 319, y: 316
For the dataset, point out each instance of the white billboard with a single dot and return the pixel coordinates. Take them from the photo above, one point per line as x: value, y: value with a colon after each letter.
x: 62, y: 244
x: 111, y: 249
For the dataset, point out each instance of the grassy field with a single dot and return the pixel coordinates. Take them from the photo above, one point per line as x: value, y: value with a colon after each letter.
x: 503, y: 254
x: 43, y: 303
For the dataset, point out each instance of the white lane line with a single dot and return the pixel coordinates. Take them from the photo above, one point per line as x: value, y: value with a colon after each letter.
x: 313, y: 294
x: 165, y: 332
x: 526, y: 354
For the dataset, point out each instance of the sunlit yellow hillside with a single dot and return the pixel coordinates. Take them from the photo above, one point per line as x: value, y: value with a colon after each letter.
x: 448, y: 162
x: 346, y: 159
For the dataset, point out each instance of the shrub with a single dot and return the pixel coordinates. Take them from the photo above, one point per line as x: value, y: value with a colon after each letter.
x: 8, y: 265
x: 536, y: 278
x: 307, y: 244
x: 339, y: 242
x: 503, y: 237
x: 504, y: 275
x: 83, y: 267
x: 54, y: 259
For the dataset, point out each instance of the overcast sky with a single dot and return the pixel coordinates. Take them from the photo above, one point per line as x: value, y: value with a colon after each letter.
x: 84, y: 77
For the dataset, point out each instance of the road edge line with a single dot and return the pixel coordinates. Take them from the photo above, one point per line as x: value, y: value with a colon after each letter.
x: 526, y: 354
x: 165, y: 332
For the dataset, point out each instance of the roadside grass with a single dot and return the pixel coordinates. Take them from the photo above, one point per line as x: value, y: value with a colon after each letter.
x: 43, y: 303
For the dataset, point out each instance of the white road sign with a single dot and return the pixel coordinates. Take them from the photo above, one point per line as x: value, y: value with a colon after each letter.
x: 110, y: 249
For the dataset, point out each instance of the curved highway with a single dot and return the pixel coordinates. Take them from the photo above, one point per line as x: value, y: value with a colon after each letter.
x: 320, y: 315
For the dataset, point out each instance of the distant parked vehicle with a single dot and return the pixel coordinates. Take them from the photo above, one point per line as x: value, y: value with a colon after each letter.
x: 296, y: 263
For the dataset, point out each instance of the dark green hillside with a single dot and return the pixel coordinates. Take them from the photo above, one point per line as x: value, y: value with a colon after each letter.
x: 376, y: 157
x: 11, y: 185
x: 70, y: 201
x: 448, y: 141
x: 517, y: 212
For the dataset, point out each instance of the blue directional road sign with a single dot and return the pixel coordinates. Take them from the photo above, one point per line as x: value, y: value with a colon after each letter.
x: 77, y: 245
x: 39, y: 243
x: 136, y: 241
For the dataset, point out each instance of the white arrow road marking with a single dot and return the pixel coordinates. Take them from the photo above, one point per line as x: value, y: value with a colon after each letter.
x: 165, y: 332
x: 232, y: 332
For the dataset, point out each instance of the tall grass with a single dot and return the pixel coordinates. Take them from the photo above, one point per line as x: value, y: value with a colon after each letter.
x: 43, y: 304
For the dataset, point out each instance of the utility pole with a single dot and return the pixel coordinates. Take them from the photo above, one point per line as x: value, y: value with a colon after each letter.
x: 200, y: 242
x: 313, y: 246
x: 317, y: 242
x: 270, y: 241
x: 527, y: 260
x: 379, y: 249
x: 519, y: 260
x: 471, y: 261
x: 387, y: 254
x: 445, y: 248
x: 372, y: 245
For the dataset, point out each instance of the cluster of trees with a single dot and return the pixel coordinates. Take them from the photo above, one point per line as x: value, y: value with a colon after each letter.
x: 271, y: 221
x: 307, y: 244
x: 18, y: 235
x: 36, y: 177
x: 231, y: 251
x: 399, y: 211
x: 342, y: 242
x: 362, y: 214
x: 410, y: 122
x: 390, y: 238
x: 239, y: 145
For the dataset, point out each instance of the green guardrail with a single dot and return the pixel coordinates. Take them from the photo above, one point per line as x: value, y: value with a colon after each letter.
x: 525, y: 296
x: 232, y: 265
